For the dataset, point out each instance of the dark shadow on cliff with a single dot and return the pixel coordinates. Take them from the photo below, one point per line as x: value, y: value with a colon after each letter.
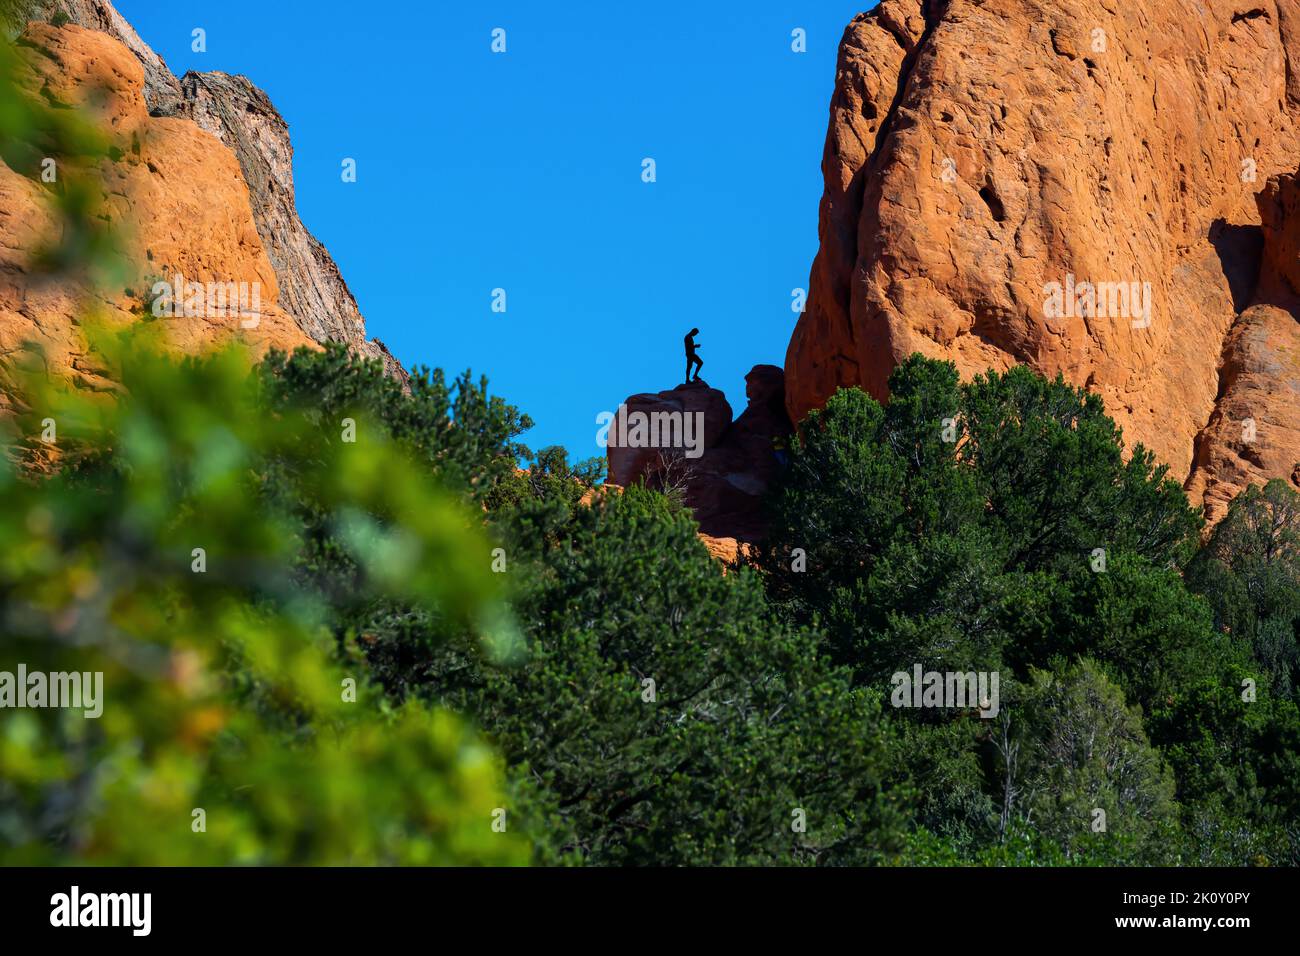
x: 1240, y: 250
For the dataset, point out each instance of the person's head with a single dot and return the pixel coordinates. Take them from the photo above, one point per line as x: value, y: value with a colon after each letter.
x: 694, y: 332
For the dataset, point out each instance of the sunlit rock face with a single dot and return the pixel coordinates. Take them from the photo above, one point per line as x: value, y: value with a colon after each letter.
x: 176, y: 198
x: 1071, y: 185
x: 311, y: 288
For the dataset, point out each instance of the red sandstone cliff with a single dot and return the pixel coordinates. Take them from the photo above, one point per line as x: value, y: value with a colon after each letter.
x: 980, y: 150
x: 175, y: 195
x: 228, y: 126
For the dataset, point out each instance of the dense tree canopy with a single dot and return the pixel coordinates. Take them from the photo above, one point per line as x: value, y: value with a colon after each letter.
x: 998, y: 525
x: 542, y: 670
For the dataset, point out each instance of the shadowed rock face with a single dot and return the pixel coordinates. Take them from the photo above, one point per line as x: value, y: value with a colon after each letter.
x: 1254, y: 433
x: 979, y: 151
x: 630, y: 457
x: 725, y: 485
x: 239, y: 114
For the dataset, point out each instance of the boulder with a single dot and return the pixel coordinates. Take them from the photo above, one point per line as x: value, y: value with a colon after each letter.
x: 724, y: 487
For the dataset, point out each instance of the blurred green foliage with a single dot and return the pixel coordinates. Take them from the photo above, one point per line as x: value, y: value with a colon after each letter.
x: 225, y: 684
x: 229, y: 687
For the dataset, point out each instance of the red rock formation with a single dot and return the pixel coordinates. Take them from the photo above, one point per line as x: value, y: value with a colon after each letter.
x: 980, y: 150
x: 725, y: 484
x: 311, y: 287
x: 726, y: 550
x: 162, y: 93
x: 631, y: 457
x: 242, y: 117
x: 177, y: 193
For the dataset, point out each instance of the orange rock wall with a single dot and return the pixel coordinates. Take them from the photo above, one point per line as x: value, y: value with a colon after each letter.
x: 979, y: 150
x: 174, y: 194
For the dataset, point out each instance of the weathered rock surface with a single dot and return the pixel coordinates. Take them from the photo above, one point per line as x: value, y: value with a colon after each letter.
x: 980, y: 150
x: 242, y: 117
x: 311, y: 287
x: 162, y: 93
x: 179, y: 194
x: 725, y: 484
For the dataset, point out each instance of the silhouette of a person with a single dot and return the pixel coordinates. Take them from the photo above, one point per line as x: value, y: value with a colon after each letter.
x: 692, y: 359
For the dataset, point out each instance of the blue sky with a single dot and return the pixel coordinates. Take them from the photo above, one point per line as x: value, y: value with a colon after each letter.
x: 522, y: 171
